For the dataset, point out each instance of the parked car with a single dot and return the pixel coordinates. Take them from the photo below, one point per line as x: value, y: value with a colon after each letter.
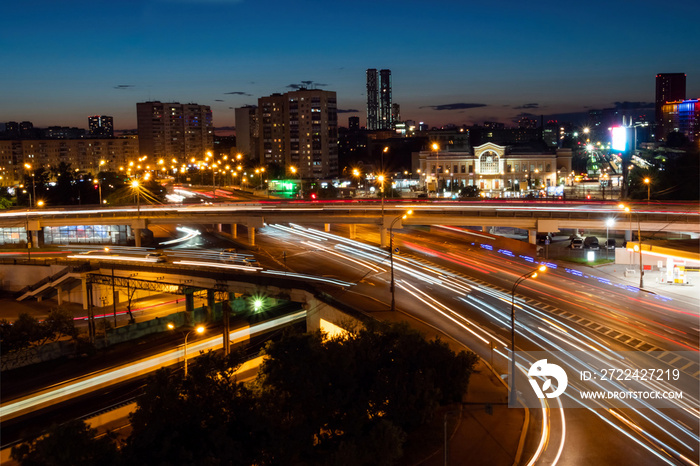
x: 591, y: 242
x: 610, y: 244
x: 576, y: 243
x: 544, y: 238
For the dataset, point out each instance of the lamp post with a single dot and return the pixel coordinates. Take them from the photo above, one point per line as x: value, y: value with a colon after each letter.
x: 32, y: 199
x: 392, y: 288
x: 380, y: 178
x: 608, y: 223
x: 436, y: 148
x: 136, y: 185
x: 199, y: 329
x: 531, y: 274
x: 647, y: 181
x: 99, y: 188
x: 639, y: 242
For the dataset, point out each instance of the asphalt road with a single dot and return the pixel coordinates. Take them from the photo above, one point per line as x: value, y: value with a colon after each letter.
x: 464, y: 290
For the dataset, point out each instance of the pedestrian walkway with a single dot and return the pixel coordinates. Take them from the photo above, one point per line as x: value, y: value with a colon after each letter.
x: 616, y: 273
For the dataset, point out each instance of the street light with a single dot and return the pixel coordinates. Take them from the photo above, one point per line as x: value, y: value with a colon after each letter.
x: 33, y: 197
x: 638, y: 247
x: 391, y: 256
x: 99, y: 188
x: 199, y: 329
x: 647, y: 181
x: 608, y: 223
x: 531, y: 274
x: 137, y: 186
x: 380, y: 178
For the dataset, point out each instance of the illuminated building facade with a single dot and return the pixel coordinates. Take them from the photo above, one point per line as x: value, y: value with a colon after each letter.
x: 494, y: 169
x: 168, y: 130
x: 300, y: 129
x: 670, y: 87
x: 683, y: 117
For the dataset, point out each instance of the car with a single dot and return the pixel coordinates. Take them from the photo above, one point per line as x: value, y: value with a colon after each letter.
x: 544, y: 238
x: 610, y: 243
x: 158, y: 256
x: 576, y: 243
x: 591, y: 242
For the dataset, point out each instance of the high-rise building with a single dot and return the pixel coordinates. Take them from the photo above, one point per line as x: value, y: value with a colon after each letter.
x: 247, y: 130
x: 386, y: 109
x: 300, y: 129
x: 372, y: 99
x: 380, y: 110
x: 101, y: 126
x: 682, y: 117
x: 670, y: 87
x: 168, y: 130
x: 354, y: 123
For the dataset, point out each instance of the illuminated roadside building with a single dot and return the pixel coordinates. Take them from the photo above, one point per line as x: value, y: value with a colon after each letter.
x: 495, y: 170
x: 168, y: 130
x: 100, y: 126
x: 683, y: 117
x: 670, y: 87
x: 300, y: 129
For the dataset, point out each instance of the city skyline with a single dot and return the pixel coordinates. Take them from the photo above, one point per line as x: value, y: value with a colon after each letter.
x: 453, y: 63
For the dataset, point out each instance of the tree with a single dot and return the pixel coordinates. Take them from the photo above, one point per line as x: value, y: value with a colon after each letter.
x: 207, y: 418
x: 71, y: 444
x: 28, y: 332
x: 470, y: 191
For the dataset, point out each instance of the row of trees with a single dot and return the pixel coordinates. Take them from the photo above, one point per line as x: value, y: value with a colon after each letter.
x: 62, y: 186
x: 316, y: 401
x: 29, y: 332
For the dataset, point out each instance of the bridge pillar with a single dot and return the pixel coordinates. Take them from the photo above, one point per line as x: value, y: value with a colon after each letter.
x: 532, y: 236
x: 234, y: 230
x: 353, y: 231
x: 219, y: 227
x: 35, y: 239
x: 211, y: 304
x: 189, y: 307
x: 59, y: 295
x: 84, y: 292
x: 251, y: 235
x: 383, y: 236
x: 137, y: 237
x: 327, y: 227
x: 628, y: 235
x: 486, y: 229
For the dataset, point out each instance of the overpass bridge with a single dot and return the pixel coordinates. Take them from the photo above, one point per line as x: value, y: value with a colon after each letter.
x: 532, y: 216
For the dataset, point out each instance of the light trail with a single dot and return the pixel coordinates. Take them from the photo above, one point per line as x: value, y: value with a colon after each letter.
x: 74, y: 388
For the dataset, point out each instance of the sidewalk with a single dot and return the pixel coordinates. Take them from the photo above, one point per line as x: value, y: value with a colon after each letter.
x: 616, y: 273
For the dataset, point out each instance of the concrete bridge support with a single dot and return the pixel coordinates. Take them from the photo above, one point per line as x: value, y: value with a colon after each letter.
x: 532, y: 236
x: 189, y: 307
x: 327, y: 227
x: 251, y: 235
x: 234, y: 230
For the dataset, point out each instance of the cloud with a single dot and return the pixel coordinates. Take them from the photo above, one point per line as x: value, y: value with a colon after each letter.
x: 634, y: 105
x: 218, y: 100
x: 306, y: 85
x: 237, y: 93
x: 122, y: 87
x: 526, y: 106
x: 349, y: 110
x: 458, y: 106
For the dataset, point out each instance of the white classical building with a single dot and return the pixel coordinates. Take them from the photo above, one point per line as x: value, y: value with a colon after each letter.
x: 496, y: 170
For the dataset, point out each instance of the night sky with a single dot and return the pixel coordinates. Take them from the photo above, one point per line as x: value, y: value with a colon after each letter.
x: 459, y: 62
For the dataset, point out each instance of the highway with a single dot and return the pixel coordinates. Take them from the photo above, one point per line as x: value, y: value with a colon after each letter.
x: 460, y: 283
x: 464, y: 291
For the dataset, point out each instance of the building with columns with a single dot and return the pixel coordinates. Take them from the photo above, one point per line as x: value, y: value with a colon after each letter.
x: 497, y: 170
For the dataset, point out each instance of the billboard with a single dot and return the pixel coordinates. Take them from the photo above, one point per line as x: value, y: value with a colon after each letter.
x: 619, y: 138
